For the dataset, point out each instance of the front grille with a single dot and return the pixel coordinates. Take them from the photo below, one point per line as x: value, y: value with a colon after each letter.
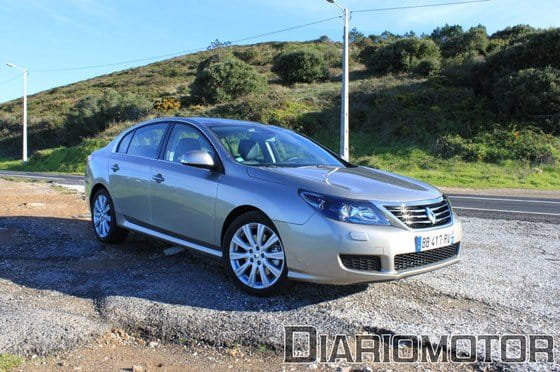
x: 361, y: 262
x: 411, y: 260
x: 416, y: 216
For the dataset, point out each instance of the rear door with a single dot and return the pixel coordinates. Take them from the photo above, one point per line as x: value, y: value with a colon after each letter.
x: 129, y: 171
x: 183, y: 197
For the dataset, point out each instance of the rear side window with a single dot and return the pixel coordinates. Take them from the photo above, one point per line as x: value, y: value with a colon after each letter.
x: 123, y: 145
x: 146, y: 141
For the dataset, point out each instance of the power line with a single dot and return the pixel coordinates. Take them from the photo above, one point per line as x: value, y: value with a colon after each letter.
x: 184, y: 51
x: 118, y: 63
x: 9, y: 80
x: 419, y: 6
x: 287, y: 29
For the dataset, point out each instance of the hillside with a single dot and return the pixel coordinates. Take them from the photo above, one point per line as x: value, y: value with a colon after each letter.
x: 422, y: 124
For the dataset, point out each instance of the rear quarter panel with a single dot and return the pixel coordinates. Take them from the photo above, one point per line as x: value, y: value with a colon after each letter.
x: 96, y: 171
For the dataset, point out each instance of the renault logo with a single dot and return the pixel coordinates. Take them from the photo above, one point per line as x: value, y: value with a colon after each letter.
x: 431, y: 216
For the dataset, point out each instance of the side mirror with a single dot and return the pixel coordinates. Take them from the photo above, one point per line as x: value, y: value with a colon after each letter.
x: 199, y: 159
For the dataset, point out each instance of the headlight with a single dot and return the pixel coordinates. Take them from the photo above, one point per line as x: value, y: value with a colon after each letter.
x: 345, y: 210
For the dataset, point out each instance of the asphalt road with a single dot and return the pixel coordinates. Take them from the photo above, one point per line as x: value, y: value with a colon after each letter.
x: 507, y: 207
x: 63, y: 179
x: 534, y: 209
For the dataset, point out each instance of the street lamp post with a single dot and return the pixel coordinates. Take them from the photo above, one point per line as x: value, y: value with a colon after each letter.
x: 24, y: 70
x: 344, y: 104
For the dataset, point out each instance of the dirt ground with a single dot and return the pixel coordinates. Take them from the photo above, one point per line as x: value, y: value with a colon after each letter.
x: 116, y: 350
x: 40, y: 199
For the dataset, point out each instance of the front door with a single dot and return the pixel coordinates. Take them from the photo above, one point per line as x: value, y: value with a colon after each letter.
x: 183, y: 197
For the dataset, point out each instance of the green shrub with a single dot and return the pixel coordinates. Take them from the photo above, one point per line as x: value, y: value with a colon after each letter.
x: 427, y: 67
x: 223, y: 78
x: 170, y: 72
x: 333, y: 57
x: 454, y: 42
x: 531, y: 93
x: 356, y: 37
x: 252, y: 107
x: 500, y: 144
x: 92, y: 114
x: 183, y: 89
x: 300, y: 66
x: 367, y: 52
x: 538, y: 50
x: 249, y: 55
x: 513, y: 34
x: 442, y: 35
x: 401, y: 55
x: 461, y: 73
x: 494, y: 45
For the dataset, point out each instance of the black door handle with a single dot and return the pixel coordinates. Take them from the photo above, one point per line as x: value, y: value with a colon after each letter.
x: 115, y: 167
x: 158, y: 178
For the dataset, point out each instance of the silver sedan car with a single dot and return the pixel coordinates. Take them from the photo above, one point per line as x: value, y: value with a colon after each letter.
x: 274, y: 205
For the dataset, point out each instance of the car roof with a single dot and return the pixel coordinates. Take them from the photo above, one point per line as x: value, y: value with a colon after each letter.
x: 219, y: 121
x: 200, y: 121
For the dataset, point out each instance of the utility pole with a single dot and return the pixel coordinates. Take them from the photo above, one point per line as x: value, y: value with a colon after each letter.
x: 344, y: 100
x: 24, y: 70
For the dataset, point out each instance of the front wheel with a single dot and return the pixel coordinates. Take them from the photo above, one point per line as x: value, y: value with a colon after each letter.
x: 254, y: 255
x: 103, y: 219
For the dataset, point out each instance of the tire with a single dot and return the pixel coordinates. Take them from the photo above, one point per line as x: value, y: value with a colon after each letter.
x: 103, y: 221
x: 255, y: 259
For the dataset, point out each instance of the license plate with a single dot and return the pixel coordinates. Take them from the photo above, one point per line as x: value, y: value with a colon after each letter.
x: 433, y: 241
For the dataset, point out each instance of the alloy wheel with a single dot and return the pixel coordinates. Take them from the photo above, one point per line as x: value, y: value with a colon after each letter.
x: 256, y: 255
x: 102, y: 216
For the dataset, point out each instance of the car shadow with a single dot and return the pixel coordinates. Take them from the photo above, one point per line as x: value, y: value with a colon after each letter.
x: 60, y: 254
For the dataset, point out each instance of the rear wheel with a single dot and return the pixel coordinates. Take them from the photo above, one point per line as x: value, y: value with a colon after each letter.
x: 103, y: 219
x: 254, y: 255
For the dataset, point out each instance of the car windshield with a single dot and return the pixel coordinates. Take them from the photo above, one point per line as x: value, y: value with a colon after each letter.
x: 272, y: 146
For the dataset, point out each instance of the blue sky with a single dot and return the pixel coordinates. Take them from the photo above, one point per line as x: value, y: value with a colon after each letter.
x: 51, y: 34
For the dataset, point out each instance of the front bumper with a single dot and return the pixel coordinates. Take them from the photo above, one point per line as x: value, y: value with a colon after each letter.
x: 314, y: 249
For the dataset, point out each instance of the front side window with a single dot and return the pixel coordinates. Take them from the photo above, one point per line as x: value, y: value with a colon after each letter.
x: 184, y: 139
x: 262, y: 146
x: 146, y: 141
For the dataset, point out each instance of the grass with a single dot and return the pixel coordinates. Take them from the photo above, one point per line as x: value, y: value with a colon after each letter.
x: 417, y: 162
x: 62, y: 159
x: 458, y: 173
x: 9, y: 361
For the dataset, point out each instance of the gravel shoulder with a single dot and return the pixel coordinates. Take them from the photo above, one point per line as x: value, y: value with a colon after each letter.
x: 61, y: 291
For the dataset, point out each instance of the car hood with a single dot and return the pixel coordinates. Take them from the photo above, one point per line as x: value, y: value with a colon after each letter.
x: 355, y: 182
